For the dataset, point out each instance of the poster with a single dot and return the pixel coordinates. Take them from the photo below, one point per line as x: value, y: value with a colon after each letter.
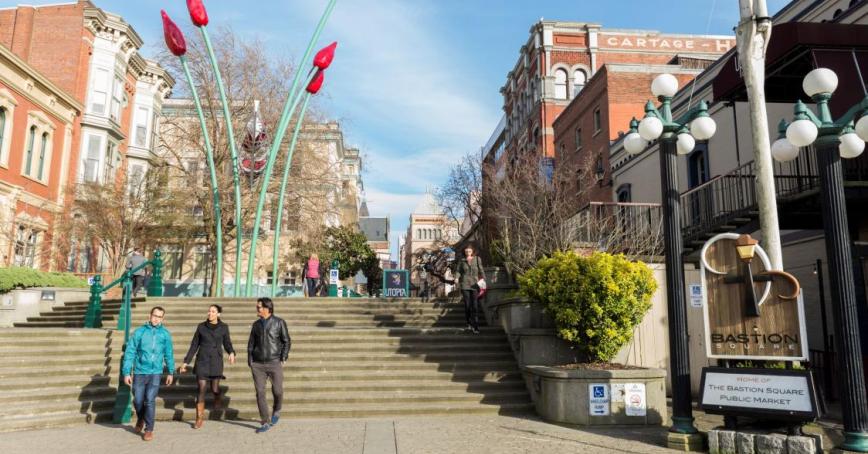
x: 634, y: 399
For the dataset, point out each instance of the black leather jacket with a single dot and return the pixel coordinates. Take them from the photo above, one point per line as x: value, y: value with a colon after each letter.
x: 269, y: 341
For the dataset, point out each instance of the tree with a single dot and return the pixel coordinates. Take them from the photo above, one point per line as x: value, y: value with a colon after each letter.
x: 346, y: 245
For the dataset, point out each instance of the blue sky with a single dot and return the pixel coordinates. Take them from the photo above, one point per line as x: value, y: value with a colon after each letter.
x: 415, y: 83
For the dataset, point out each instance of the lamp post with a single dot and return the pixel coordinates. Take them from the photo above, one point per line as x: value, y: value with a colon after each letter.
x: 677, y: 136
x: 835, y: 140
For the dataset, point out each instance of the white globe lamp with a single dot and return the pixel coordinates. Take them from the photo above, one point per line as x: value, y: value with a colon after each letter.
x: 665, y: 85
x: 802, y: 133
x: 820, y: 80
x: 685, y: 143
x: 862, y: 127
x: 784, y: 151
x: 650, y: 128
x: 851, y: 145
x: 634, y: 143
x: 703, y: 128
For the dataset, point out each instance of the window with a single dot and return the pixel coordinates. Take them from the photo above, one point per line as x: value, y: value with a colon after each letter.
x: 201, y: 262
x: 28, y: 154
x: 269, y: 278
x: 99, y: 91
x: 25, y: 247
x: 90, y: 166
x: 117, y: 99
x: 560, y: 84
x: 289, y: 278
x: 137, y: 175
x: 624, y: 193
x: 173, y: 259
x: 598, y: 120
x: 579, y: 79
x: 110, y: 168
x: 578, y: 138
x: 697, y: 165
x: 141, y: 134
x: 2, y: 130
x: 42, y: 151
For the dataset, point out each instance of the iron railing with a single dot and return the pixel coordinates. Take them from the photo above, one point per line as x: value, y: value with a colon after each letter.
x: 620, y: 227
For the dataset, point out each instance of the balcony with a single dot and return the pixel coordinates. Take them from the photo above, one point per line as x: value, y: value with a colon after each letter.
x: 633, y: 229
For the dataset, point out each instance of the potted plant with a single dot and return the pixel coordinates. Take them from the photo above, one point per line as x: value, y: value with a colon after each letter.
x: 596, y: 301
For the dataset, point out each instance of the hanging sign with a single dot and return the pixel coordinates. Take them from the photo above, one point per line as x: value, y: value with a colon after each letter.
x: 396, y: 284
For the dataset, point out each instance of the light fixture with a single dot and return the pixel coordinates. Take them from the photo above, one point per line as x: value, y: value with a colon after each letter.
x: 633, y: 142
x: 783, y: 150
x: 851, y: 145
x: 745, y: 245
x: 862, y: 127
x: 685, y: 142
x: 703, y: 126
x: 650, y: 128
x: 820, y: 81
x: 664, y: 85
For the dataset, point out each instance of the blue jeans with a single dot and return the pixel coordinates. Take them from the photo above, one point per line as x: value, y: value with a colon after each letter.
x: 145, y: 388
x: 311, y: 285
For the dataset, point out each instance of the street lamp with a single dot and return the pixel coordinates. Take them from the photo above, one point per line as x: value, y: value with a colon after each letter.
x: 676, y: 137
x: 836, y: 140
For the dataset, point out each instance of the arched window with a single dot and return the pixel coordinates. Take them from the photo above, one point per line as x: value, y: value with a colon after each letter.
x: 28, y: 156
x: 560, y: 84
x: 42, y: 155
x: 579, y: 79
x: 836, y: 13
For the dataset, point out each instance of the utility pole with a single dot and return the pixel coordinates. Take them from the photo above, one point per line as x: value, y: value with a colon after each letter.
x: 752, y: 40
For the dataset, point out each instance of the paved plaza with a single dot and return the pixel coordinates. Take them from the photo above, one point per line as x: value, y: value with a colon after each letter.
x: 411, y: 435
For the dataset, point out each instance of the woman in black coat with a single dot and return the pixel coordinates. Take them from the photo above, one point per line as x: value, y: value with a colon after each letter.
x: 209, y: 341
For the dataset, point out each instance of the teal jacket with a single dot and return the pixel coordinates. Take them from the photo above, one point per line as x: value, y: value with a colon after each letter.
x: 147, y: 348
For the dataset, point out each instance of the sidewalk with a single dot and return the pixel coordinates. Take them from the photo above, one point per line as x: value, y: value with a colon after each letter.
x: 411, y: 435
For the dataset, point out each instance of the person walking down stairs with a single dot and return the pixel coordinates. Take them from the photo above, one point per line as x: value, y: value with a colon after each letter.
x: 209, y: 341
x: 267, y: 350
x: 470, y: 274
x: 148, y: 348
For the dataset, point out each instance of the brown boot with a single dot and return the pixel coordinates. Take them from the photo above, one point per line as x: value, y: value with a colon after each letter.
x: 200, y: 415
x: 148, y: 436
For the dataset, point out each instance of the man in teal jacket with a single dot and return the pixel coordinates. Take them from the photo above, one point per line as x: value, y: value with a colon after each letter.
x: 147, y: 349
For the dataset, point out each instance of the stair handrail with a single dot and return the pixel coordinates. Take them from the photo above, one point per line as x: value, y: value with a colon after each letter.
x: 93, y: 316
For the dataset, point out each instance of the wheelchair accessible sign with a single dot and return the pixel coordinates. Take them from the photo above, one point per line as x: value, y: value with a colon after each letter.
x: 598, y: 399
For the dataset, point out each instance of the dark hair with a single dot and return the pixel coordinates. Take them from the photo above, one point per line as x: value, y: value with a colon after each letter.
x: 156, y: 308
x: 266, y: 303
x: 218, y: 307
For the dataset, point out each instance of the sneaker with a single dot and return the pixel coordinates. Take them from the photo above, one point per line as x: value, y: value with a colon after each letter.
x: 274, y: 418
x: 263, y: 428
x: 468, y: 327
x: 475, y: 330
x: 140, y: 426
x: 148, y: 436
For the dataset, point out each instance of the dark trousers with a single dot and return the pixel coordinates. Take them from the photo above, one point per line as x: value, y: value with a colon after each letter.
x: 471, y: 307
x: 138, y: 283
x: 311, y: 285
x: 261, y: 371
x: 145, y: 389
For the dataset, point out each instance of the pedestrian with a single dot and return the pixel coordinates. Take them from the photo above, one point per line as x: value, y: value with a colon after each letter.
x: 209, y: 341
x: 148, y: 349
x: 311, y: 274
x: 267, y: 350
x: 135, y: 260
x: 470, y: 272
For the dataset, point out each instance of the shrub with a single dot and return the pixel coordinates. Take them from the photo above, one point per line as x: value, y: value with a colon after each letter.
x: 596, y: 301
x: 16, y: 277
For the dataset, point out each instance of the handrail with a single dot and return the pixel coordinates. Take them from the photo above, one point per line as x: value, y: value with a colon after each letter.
x: 93, y: 316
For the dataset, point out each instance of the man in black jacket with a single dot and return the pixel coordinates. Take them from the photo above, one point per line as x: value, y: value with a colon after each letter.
x: 267, y: 350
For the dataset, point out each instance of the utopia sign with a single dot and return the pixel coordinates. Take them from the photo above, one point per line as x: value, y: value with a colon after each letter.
x: 751, y: 311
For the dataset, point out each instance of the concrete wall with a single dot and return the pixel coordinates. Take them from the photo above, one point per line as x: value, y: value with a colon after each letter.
x: 17, y: 305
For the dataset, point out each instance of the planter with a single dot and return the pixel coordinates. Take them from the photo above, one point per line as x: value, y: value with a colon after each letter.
x: 18, y: 305
x: 562, y: 395
x: 519, y: 313
x: 541, y: 347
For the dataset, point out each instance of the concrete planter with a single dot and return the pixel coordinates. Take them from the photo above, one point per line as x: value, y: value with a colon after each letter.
x: 18, y: 305
x: 562, y: 395
x: 520, y: 312
x: 541, y: 347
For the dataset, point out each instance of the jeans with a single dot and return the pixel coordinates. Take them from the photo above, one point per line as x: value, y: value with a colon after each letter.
x: 471, y: 307
x: 138, y: 283
x: 145, y: 388
x: 261, y: 372
x: 311, y: 285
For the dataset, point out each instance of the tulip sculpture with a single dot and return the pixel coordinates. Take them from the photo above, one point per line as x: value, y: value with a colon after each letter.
x: 177, y: 45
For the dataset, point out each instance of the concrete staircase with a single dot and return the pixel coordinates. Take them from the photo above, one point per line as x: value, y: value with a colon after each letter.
x: 350, y: 358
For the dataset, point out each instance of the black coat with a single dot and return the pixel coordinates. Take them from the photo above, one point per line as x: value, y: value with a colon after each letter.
x: 269, y: 340
x: 209, y: 343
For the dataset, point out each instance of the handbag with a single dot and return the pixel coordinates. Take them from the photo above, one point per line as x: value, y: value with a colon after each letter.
x: 483, y: 287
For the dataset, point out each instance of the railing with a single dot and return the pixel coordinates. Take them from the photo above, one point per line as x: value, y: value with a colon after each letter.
x: 628, y: 228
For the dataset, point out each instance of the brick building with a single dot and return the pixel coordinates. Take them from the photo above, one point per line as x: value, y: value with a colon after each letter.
x: 93, y: 56
x: 558, y: 61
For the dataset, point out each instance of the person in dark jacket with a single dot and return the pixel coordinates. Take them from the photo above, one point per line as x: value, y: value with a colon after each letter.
x: 267, y: 350
x: 209, y: 341
x: 469, y: 271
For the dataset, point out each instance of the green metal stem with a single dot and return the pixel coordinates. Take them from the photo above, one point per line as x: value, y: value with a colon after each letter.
x: 288, y: 108
x: 227, y: 117
x: 286, y: 168
x: 855, y: 441
x: 122, y: 413
x: 209, y: 153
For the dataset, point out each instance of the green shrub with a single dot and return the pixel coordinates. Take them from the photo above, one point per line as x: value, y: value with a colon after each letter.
x: 596, y: 301
x: 16, y: 277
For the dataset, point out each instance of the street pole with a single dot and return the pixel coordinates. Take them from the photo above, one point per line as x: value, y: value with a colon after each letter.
x: 752, y: 40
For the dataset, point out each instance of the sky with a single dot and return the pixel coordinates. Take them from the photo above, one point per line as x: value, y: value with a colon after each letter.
x: 415, y: 83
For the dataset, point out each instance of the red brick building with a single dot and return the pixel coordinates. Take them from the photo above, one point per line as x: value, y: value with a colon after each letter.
x: 558, y: 61
x: 92, y: 56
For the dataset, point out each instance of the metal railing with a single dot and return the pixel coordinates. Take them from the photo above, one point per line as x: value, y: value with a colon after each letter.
x: 621, y: 227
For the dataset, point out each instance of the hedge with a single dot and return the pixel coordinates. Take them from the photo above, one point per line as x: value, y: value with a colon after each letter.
x: 18, y: 277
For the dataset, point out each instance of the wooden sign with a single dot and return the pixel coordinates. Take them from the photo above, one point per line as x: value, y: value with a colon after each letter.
x: 751, y: 311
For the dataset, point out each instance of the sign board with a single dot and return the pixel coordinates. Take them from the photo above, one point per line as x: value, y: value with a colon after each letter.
x: 635, y: 403
x: 598, y: 399
x: 6, y: 301
x: 90, y: 280
x: 749, y: 312
x: 617, y: 392
x: 334, y: 277
x: 396, y: 284
x: 694, y: 291
x: 787, y: 394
